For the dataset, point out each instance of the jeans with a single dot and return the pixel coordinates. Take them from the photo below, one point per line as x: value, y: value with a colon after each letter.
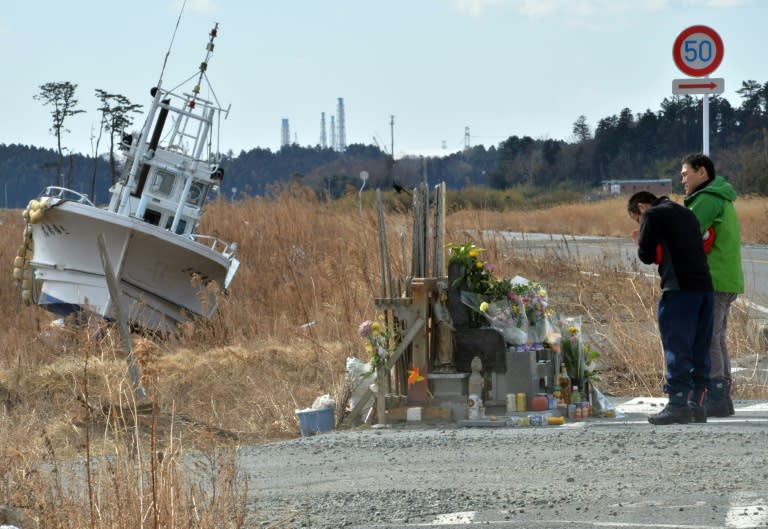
x: 685, y: 323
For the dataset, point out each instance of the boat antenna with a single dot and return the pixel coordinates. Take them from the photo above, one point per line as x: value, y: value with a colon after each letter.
x: 173, y: 37
x: 204, y: 65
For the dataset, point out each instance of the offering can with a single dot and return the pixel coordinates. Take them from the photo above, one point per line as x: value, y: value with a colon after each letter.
x: 521, y: 405
x: 511, y: 403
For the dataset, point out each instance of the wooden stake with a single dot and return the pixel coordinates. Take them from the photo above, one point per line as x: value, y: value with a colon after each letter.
x: 122, y: 322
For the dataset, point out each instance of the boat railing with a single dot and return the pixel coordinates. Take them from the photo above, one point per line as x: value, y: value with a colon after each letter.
x: 64, y: 193
x: 227, y: 249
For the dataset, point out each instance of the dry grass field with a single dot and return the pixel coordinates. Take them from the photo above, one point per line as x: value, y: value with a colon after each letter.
x: 309, y: 276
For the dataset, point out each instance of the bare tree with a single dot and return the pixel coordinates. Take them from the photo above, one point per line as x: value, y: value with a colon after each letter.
x: 116, y: 112
x: 62, y: 96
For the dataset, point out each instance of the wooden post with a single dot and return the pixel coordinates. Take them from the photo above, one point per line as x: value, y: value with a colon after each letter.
x: 425, y: 229
x: 386, y: 292
x: 382, y: 380
x: 386, y: 274
x: 439, y: 268
x: 122, y: 322
x: 420, y: 345
x: 417, y: 243
x: 420, y: 308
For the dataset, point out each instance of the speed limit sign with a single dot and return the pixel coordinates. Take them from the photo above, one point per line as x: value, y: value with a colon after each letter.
x: 698, y: 51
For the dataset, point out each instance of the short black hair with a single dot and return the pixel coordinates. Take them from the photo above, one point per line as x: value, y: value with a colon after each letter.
x: 641, y: 197
x: 698, y: 160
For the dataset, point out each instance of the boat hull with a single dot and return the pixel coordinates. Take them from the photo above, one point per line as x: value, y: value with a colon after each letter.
x: 163, y: 278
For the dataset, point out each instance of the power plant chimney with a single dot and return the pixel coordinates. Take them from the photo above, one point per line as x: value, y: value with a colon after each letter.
x: 342, y: 141
x: 323, y: 139
x: 333, y: 134
x: 285, y: 136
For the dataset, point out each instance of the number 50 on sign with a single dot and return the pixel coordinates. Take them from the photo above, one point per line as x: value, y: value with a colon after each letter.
x: 698, y: 51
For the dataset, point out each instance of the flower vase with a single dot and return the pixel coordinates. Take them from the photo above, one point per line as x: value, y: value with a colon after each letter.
x: 462, y: 316
x: 537, y: 332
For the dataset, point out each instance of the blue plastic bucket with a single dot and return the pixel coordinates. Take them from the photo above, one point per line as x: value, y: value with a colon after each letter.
x: 312, y: 422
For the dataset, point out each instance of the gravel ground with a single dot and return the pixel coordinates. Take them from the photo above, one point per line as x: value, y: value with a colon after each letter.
x: 620, y: 472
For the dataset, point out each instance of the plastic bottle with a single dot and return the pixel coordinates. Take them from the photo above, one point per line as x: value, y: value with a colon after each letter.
x: 575, y: 395
x: 564, y: 381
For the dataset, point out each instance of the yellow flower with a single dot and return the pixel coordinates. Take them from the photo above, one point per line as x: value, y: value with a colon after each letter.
x: 483, y: 306
x: 474, y: 253
x: 376, y: 327
x: 479, y: 264
x: 573, y: 329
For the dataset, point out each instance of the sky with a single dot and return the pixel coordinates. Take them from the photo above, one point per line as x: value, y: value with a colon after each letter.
x: 444, y: 72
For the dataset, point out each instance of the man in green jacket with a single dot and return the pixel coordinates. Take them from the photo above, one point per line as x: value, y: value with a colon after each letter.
x: 711, y: 199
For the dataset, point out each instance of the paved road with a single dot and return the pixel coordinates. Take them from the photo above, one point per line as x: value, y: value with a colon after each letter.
x: 621, y: 252
x: 617, y: 473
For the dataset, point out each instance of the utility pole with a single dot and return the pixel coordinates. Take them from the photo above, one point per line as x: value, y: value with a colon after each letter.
x: 392, y: 136
x: 392, y: 149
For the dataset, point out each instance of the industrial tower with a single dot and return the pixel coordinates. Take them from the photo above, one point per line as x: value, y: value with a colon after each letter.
x: 285, y: 136
x: 333, y: 134
x: 342, y: 140
x: 323, y: 139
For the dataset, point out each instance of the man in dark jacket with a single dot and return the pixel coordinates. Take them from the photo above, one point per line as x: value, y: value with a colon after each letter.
x: 711, y: 198
x: 669, y: 236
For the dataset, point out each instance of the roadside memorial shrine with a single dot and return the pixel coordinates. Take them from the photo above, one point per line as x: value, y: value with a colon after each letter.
x: 453, y: 341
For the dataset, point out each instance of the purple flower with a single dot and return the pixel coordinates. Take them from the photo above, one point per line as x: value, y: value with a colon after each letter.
x: 364, y: 330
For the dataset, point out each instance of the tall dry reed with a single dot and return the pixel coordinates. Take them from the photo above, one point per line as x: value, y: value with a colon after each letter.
x: 605, y: 218
x: 281, y: 338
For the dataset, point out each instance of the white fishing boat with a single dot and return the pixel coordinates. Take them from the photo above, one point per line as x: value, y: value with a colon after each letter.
x: 166, y: 271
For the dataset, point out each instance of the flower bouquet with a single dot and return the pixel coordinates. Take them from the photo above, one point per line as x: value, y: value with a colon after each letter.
x: 517, y: 307
x: 579, y: 357
x: 474, y: 274
x: 380, y: 341
x: 533, y: 298
x: 503, y: 315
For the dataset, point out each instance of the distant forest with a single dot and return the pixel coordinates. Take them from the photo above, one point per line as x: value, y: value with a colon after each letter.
x: 629, y: 145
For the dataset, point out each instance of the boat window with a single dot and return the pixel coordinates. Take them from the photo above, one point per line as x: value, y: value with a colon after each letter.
x: 163, y: 183
x: 179, y: 229
x: 197, y: 193
x: 152, y: 216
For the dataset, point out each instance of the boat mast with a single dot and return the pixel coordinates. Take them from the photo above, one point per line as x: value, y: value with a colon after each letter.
x: 204, y: 64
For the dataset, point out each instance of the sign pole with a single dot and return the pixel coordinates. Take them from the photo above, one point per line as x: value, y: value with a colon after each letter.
x: 705, y: 125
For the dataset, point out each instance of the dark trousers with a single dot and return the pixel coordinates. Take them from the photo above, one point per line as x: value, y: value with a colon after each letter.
x: 719, y: 358
x: 685, y: 323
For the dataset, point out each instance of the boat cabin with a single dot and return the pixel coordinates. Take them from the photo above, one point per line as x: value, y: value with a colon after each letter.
x: 165, y: 181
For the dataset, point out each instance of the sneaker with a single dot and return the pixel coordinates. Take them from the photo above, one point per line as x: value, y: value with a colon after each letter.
x: 672, y: 414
